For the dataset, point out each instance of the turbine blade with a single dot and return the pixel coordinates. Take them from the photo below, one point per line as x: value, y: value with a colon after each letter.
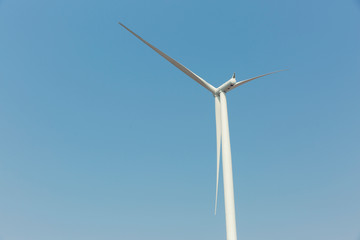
x: 192, y: 75
x: 218, y: 145
x: 250, y: 79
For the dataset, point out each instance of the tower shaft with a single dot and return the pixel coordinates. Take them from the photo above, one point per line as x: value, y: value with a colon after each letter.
x: 227, y: 172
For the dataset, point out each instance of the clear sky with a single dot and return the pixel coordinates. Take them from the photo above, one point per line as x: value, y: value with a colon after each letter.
x: 101, y: 138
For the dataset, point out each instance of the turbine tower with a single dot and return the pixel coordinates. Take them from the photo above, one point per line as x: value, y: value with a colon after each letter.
x: 222, y: 134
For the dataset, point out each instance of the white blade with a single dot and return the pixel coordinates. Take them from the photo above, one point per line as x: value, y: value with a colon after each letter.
x: 175, y: 63
x: 218, y: 144
x: 250, y: 79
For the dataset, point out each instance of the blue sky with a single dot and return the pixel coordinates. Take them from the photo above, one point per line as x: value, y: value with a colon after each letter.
x: 101, y: 138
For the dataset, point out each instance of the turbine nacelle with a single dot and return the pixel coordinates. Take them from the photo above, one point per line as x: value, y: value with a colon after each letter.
x: 226, y: 86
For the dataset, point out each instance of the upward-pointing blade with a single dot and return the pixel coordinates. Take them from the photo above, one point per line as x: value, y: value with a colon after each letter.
x: 175, y: 63
x: 218, y: 144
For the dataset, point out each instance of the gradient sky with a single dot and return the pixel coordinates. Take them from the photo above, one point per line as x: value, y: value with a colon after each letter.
x: 101, y: 138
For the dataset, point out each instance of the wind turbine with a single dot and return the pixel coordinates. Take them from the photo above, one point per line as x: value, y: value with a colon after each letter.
x: 222, y: 134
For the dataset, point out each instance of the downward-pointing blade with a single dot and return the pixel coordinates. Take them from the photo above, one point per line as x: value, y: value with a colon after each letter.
x: 218, y: 144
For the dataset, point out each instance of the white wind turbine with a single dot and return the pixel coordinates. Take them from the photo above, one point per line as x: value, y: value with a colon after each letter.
x: 222, y: 134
